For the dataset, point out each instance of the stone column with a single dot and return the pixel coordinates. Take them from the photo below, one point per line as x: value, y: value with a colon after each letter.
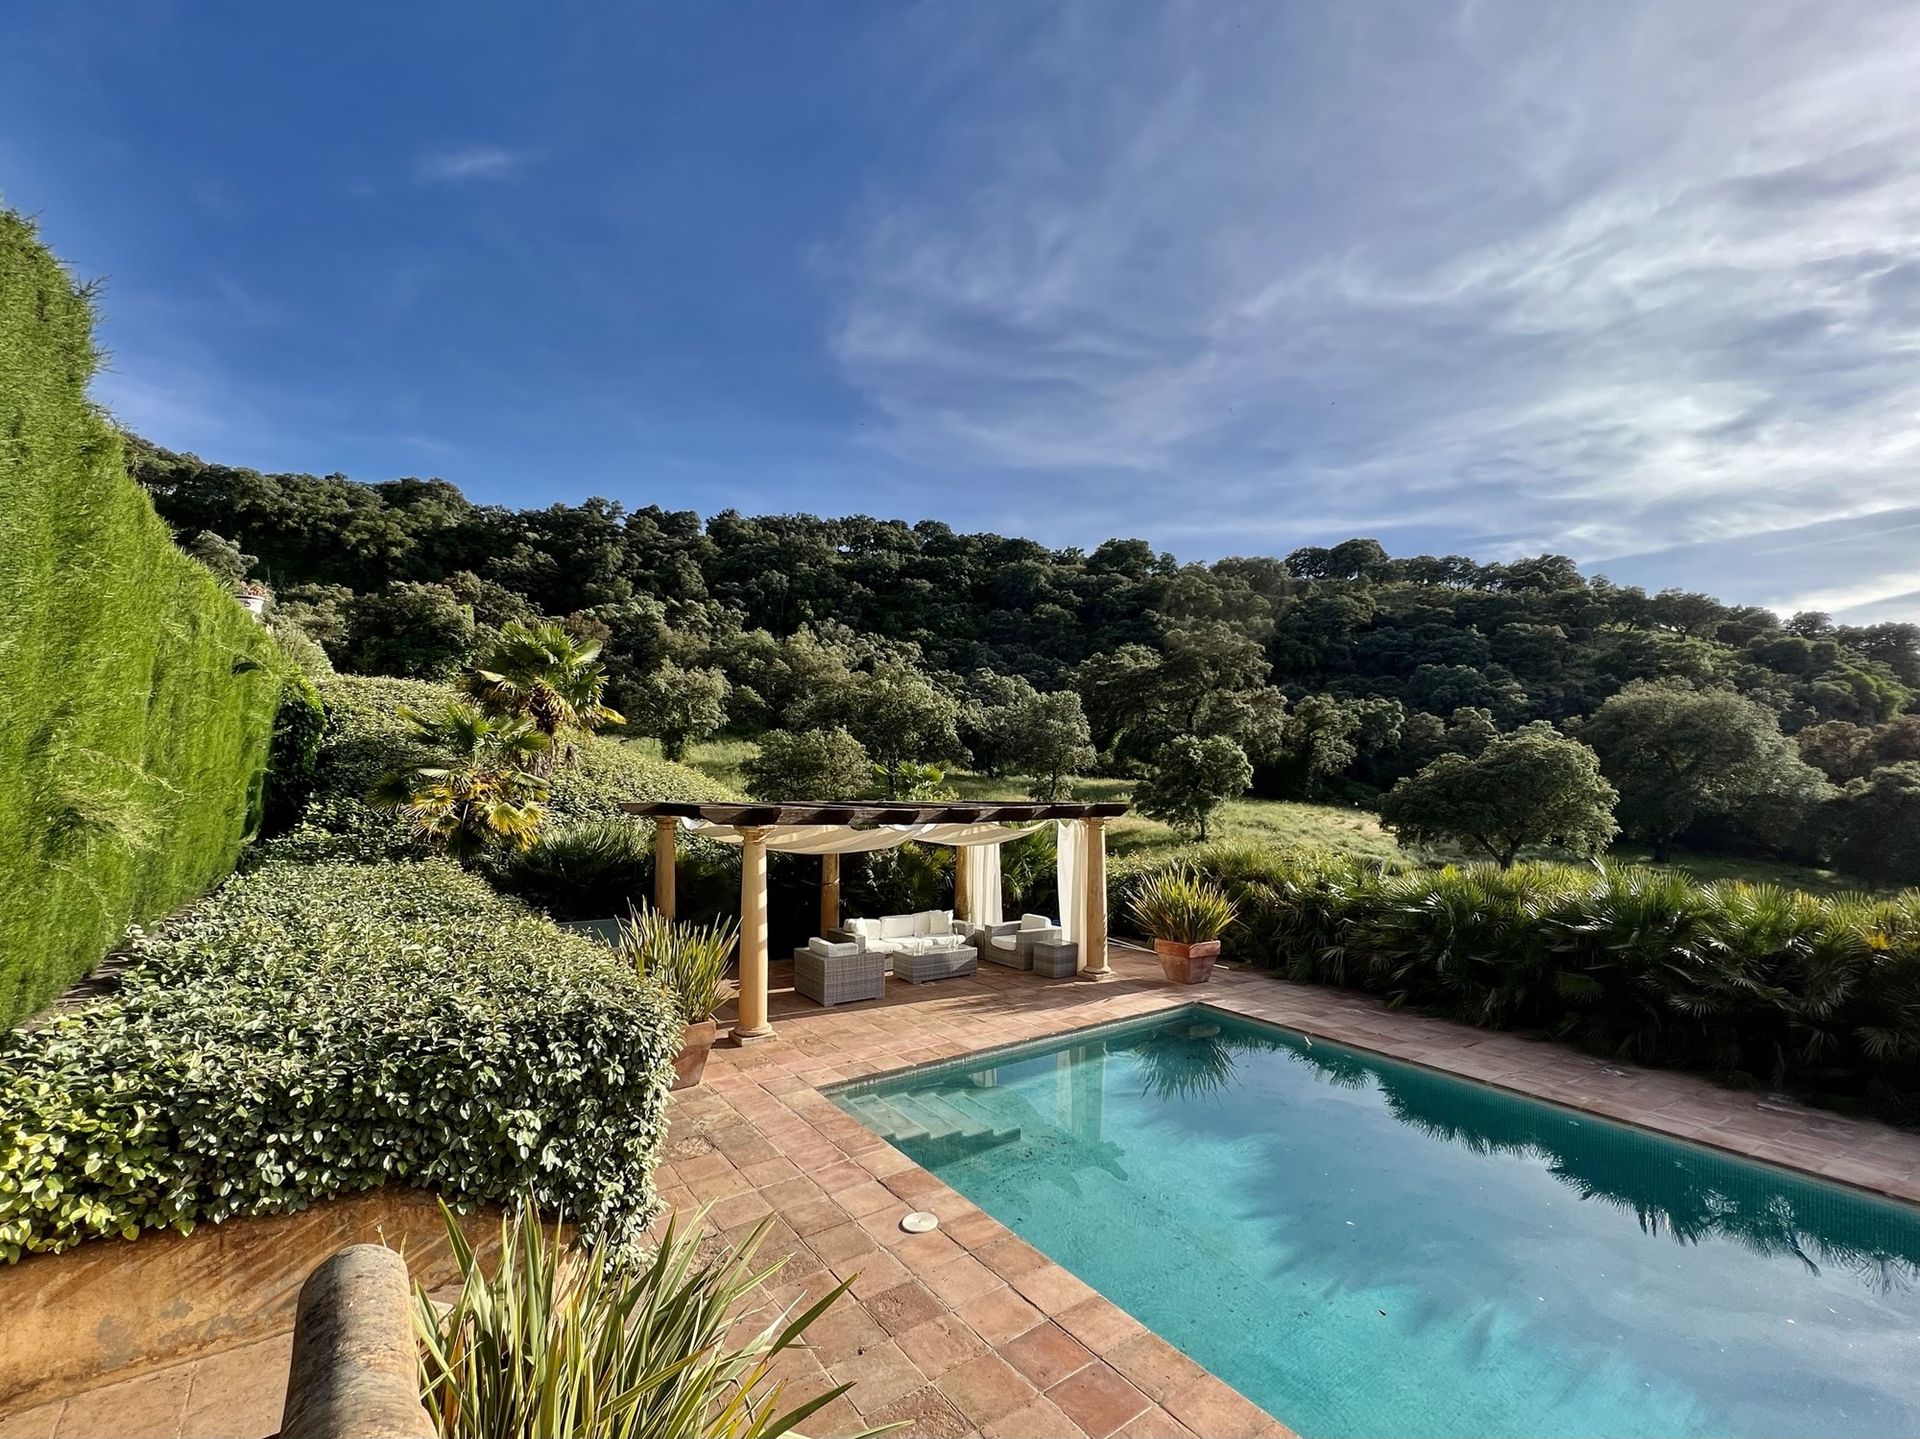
x: 829, y: 892
x: 1093, y: 881
x: 752, y: 1023
x: 663, y: 864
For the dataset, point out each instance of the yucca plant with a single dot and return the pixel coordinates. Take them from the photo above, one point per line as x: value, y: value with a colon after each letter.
x: 689, y: 960
x: 552, y: 1342
x: 488, y: 795
x: 1179, y: 905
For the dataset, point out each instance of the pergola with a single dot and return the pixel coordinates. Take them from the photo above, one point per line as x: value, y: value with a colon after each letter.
x: 831, y: 828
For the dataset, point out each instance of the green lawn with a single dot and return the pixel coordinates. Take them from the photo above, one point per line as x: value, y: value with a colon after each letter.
x: 1285, y: 822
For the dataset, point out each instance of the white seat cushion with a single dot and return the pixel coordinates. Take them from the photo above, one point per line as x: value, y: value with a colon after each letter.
x: 1002, y: 941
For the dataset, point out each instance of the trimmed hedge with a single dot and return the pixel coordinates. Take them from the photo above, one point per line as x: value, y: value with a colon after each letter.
x: 137, y: 698
x: 1748, y: 981
x: 317, y: 1030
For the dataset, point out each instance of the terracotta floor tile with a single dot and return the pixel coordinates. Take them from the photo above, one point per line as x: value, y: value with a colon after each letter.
x: 999, y: 1316
x: 905, y: 1306
x: 1209, y: 1407
x: 150, y: 1407
x: 927, y: 1414
x: 35, y: 1423
x: 841, y: 1244
x: 1041, y: 1419
x: 1046, y: 1354
x: 986, y: 1388
x: 1098, y: 1399
x: 1154, y: 1366
x: 239, y: 1394
x: 879, y: 1376
x: 941, y: 1344
x: 965, y: 1278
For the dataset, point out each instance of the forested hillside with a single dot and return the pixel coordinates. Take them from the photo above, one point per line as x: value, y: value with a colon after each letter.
x: 1334, y: 671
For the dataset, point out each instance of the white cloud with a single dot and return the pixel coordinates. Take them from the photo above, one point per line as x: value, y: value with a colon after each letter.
x: 1602, y: 279
x: 469, y: 162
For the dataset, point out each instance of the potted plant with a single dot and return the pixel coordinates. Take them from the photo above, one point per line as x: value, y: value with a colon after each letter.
x: 690, y: 962
x: 1185, y: 915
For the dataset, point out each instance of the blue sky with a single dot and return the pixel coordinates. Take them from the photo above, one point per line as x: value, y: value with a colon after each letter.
x: 1635, y: 282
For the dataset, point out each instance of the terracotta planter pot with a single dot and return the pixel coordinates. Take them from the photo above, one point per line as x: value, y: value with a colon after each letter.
x: 696, y: 1042
x: 1187, y: 963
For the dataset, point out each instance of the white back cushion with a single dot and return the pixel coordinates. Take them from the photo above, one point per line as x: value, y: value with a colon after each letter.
x: 940, y: 921
x: 896, y: 926
x: 865, y: 928
x: 1035, y: 921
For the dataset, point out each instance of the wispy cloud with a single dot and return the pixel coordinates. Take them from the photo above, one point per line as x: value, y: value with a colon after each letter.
x: 1603, y: 279
x: 469, y: 162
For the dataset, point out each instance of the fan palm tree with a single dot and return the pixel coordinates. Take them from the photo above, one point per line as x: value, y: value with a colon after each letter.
x: 543, y: 675
x: 486, y: 794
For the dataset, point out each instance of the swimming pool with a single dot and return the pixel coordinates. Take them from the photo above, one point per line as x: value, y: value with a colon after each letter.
x: 1365, y: 1247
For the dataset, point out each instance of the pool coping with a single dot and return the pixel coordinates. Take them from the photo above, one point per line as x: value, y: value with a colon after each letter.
x: 768, y: 1118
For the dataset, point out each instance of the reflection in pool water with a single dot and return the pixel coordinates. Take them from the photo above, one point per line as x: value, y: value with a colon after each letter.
x: 1367, y: 1247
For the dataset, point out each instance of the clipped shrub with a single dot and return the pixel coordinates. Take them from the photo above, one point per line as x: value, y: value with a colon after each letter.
x: 136, y: 696
x: 299, y: 726
x: 606, y: 773
x: 317, y: 1030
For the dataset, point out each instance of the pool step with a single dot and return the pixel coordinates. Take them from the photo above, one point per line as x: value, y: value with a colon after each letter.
x: 932, y: 1119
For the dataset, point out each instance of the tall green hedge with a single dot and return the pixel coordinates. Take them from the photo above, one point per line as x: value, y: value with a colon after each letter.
x: 136, y: 697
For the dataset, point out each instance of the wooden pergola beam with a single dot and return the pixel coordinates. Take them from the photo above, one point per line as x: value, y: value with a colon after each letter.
x: 856, y: 814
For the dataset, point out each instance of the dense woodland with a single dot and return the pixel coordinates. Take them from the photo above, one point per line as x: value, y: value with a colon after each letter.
x: 1332, y: 672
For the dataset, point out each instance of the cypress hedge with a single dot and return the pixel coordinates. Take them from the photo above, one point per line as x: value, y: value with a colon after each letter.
x: 137, y: 698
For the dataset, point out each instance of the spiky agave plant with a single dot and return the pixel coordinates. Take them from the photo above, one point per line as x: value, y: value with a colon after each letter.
x: 486, y: 795
x: 690, y: 960
x: 556, y: 1343
x: 1178, y: 905
x: 542, y: 674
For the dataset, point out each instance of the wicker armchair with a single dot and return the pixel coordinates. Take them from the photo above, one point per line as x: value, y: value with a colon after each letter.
x: 830, y: 974
x: 1011, y: 944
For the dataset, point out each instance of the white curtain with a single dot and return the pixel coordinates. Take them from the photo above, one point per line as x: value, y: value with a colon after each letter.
x: 983, y: 880
x: 1068, y: 866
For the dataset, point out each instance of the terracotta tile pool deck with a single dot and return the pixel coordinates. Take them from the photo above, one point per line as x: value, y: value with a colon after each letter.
x: 968, y: 1330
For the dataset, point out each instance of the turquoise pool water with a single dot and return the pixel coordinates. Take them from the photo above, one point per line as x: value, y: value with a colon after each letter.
x: 1368, y: 1248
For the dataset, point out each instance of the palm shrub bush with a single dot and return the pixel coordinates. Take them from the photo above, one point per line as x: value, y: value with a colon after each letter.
x: 554, y: 682
x: 487, y: 794
x: 583, y: 869
x: 314, y: 1030
x: 553, y: 1343
x: 1637, y: 972
x: 1466, y: 939
x: 1754, y: 982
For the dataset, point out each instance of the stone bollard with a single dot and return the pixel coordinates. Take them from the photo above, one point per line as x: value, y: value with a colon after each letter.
x: 356, y: 1367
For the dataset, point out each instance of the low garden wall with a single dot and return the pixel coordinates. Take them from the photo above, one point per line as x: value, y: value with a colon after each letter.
x: 115, y: 1308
